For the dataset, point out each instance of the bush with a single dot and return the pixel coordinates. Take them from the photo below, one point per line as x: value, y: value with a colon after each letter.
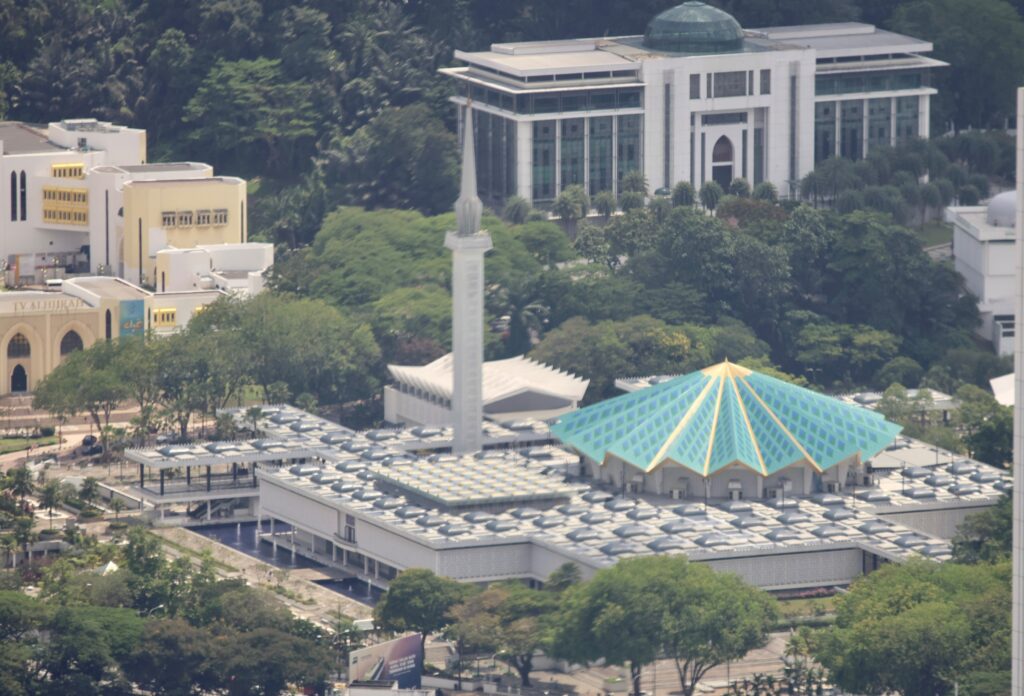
x: 739, y: 187
x: 117, y: 526
x: 683, y: 194
x: 631, y: 200
x: 766, y: 191
x: 46, y: 431
x: 849, y: 201
x: 634, y: 181
x: 710, y: 194
x: 605, y: 203
x: 89, y: 514
x: 660, y: 207
x: 517, y: 210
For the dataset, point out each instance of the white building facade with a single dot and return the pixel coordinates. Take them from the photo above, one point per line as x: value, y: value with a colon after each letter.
x: 697, y: 98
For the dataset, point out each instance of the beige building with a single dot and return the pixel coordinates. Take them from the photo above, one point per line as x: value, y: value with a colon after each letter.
x: 181, y: 214
x: 38, y: 329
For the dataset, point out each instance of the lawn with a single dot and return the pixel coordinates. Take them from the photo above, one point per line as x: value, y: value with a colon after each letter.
x: 934, y: 233
x: 17, y: 444
x: 790, y: 609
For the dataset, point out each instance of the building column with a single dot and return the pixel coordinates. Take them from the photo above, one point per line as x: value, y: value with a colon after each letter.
x: 558, y: 156
x: 142, y: 476
x: 161, y: 482
x: 234, y: 472
x: 892, y: 121
x: 334, y: 552
x: 865, y: 125
x: 923, y: 115
x: 524, y: 159
x: 209, y: 482
x: 839, y: 128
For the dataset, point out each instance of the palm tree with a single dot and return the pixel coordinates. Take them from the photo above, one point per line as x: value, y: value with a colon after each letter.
x: 8, y: 544
x: 19, y: 482
x: 117, y: 505
x: 24, y: 534
x: 90, y: 490
x: 527, y: 314
x: 253, y: 415
x: 51, y: 496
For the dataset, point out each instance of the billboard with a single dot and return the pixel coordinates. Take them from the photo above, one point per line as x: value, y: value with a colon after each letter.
x: 133, y: 318
x: 396, y: 660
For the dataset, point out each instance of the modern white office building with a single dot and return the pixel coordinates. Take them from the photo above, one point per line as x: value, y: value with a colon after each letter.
x: 696, y: 98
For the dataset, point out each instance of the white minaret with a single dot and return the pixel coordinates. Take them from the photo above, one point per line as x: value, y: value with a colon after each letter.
x: 1018, y: 422
x: 468, y: 244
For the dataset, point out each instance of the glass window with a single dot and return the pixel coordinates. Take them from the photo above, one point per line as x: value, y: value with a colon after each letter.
x: 168, y: 218
x: 879, y: 122
x: 572, y: 152
x: 906, y: 118
x: 766, y: 82
x: 758, y: 155
x: 730, y: 84
x: 851, y: 143
x: 602, y: 100
x: 628, y: 145
x: 694, y: 86
x: 600, y: 154
x: 629, y: 98
x: 824, y: 130
x: 19, y: 347
x: 543, y: 160
x: 510, y: 158
x: 545, y: 104
x: 574, y: 101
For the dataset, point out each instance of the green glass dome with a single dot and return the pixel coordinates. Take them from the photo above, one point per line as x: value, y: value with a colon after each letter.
x: 694, y: 27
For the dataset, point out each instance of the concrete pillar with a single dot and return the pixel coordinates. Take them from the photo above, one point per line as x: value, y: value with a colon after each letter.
x: 161, y: 482
x: 334, y: 552
x: 209, y: 483
x: 142, y: 476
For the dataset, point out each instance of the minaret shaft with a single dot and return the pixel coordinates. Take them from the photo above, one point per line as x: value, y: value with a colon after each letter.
x: 468, y: 244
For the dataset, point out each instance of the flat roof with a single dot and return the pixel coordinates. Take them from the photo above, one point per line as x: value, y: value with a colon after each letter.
x: 22, y: 139
x: 113, y: 288
x: 163, y: 167
x: 845, y: 38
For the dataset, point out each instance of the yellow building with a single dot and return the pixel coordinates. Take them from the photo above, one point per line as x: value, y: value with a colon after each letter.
x: 38, y: 329
x: 178, y: 213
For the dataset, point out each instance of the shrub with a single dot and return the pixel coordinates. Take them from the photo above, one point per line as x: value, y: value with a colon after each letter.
x: 766, y: 191
x: 631, y: 200
x: 739, y: 187
x: 605, y: 203
x: 634, y: 181
x: 968, y: 195
x: 517, y: 210
x: 710, y: 194
x: 980, y: 182
x: 46, y: 431
x: 683, y: 194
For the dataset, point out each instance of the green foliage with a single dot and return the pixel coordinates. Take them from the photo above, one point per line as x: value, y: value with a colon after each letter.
x: 631, y: 200
x: 899, y: 370
x: 683, y: 194
x: 633, y: 182
x: 765, y: 191
x: 740, y: 188
x: 418, y: 600
x: 917, y: 628
x: 517, y: 209
x: 986, y: 536
x: 572, y: 204
x: 605, y: 204
x: 968, y: 195
x: 710, y: 194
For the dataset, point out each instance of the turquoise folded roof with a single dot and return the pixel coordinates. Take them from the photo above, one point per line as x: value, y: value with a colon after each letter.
x: 724, y: 415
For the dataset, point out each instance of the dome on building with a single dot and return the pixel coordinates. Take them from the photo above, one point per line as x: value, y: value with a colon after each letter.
x: 722, y: 415
x: 694, y: 27
x: 1002, y: 210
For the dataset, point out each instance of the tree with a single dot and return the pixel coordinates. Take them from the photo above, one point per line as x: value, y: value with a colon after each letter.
x: 20, y: 481
x: 562, y: 578
x: 631, y: 200
x: 247, y: 116
x: 765, y: 191
x: 51, y: 496
x: 605, y: 204
x: 633, y: 181
x: 739, y: 187
x: 710, y: 194
x: 986, y: 536
x: 117, y: 505
x: 90, y: 490
x: 918, y: 628
x: 253, y: 415
x: 683, y: 194
x: 693, y: 615
x: 517, y: 209
x: 174, y: 659
x: 899, y: 370
x: 420, y: 601
x: 992, y: 441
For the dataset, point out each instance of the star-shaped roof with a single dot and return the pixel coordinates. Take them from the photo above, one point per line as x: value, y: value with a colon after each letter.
x: 723, y: 415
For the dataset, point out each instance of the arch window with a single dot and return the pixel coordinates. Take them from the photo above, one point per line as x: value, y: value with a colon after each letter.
x: 70, y: 343
x: 19, y: 347
x: 722, y: 153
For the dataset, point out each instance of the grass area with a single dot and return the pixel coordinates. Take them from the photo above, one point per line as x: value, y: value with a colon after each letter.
x: 17, y: 444
x: 806, y: 608
x: 935, y: 232
x: 195, y: 554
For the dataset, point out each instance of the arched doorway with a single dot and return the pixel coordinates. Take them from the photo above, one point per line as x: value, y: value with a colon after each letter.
x: 19, y: 380
x: 70, y: 343
x: 721, y: 162
x: 19, y: 347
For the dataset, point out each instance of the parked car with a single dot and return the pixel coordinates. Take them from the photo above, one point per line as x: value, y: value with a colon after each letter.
x: 92, y: 450
x: 89, y: 440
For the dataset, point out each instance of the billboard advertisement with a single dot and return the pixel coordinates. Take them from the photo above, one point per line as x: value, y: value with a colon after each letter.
x: 133, y: 318
x: 397, y: 660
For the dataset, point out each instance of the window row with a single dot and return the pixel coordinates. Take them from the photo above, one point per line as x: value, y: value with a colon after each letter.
x: 164, y: 318
x: 595, y: 153
x: 66, y: 195
x: 852, y: 128
x: 67, y: 171
x: 190, y: 218
x: 736, y: 83
x: 66, y: 217
x: 870, y: 82
x: 582, y: 100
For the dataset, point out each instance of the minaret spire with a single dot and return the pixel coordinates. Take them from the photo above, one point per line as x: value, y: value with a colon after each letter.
x: 468, y: 244
x: 468, y: 207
